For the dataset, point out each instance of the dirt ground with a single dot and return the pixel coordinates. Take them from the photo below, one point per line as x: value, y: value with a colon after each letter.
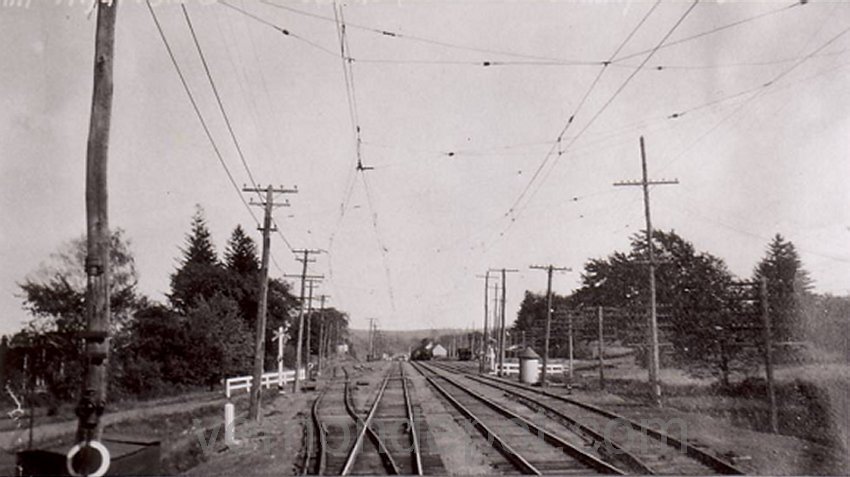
x: 270, y: 447
x: 760, y: 452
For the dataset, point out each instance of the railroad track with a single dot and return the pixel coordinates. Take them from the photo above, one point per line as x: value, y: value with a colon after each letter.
x: 519, y: 444
x: 383, y: 442
x: 637, y: 446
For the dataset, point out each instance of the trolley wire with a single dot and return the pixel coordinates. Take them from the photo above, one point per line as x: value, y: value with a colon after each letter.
x: 711, y: 31
x: 421, y: 39
x: 515, y: 209
x: 755, y: 94
x: 284, y: 31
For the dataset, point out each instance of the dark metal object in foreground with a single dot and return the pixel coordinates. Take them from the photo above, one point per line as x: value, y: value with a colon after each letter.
x: 129, y: 456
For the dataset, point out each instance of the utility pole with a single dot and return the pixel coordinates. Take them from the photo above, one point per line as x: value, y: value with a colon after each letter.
x: 653, y: 317
x: 482, y: 367
x: 296, y: 383
x: 502, y: 320
x: 371, y: 338
x: 93, y: 393
x: 309, y: 317
x: 600, y: 348
x: 570, y: 342
x: 549, y: 269
x: 768, y: 355
x: 322, y: 330
x: 268, y: 206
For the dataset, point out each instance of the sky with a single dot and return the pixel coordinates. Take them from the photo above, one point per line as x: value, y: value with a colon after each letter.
x: 759, y: 143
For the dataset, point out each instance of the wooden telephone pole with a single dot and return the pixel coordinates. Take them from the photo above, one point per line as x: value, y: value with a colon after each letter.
x: 312, y: 283
x: 654, y: 356
x: 549, y: 269
x: 268, y: 206
x: 371, y: 339
x: 93, y: 396
x: 482, y: 365
x: 502, y: 329
x: 296, y: 382
x: 323, y: 332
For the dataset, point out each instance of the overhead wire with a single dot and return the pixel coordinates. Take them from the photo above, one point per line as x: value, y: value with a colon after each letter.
x: 197, y: 110
x: 404, y: 36
x: 224, y: 114
x: 350, y: 94
x: 515, y: 211
x: 557, y: 146
x: 711, y: 31
x: 205, y: 126
x: 381, y: 246
x: 284, y: 31
x: 756, y: 93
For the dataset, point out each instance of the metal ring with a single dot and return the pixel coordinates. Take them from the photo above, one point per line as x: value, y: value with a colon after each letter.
x: 104, y: 458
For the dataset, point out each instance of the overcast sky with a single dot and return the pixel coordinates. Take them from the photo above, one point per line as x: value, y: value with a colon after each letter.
x: 752, y: 160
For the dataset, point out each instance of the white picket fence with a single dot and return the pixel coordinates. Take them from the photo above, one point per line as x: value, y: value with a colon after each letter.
x: 513, y: 369
x: 268, y: 380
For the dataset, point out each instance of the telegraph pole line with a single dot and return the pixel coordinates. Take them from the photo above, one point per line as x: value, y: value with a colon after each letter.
x: 482, y: 367
x: 653, y: 317
x: 312, y: 282
x: 322, y: 330
x: 93, y: 393
x: 268, y: 206
x: 296, y: 383
x: 491, y: 366
x: 768, y: 356
x: 549, y: 269
x: 502, y: 319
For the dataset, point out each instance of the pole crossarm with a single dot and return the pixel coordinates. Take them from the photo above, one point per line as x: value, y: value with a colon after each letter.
x: 654, y: 358
x: 649, y: 183
x: 552, y: 267
x: 304, y: 259
x: 270, y: 191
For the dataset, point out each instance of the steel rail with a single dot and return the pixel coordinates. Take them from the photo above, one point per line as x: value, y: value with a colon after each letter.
x: 383, y: 452
x: 693, y: 452
x: 512, y: 455
x: 550, y: 438
x: 365, y: 428
x: 411, y: 423
x: 631, y: 459
x: 320, y: 452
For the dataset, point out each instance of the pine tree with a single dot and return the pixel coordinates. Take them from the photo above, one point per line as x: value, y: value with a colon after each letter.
x: 787, y: 285
x: 240, y: 256
x: 200, y: 248
x: 200, y: 274
x: 243, y: 270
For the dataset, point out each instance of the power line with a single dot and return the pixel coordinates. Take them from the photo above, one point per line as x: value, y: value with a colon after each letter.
x: 218, y: 97
x: 226, y: 117
x: 207, y: 131
x: 198, y: 112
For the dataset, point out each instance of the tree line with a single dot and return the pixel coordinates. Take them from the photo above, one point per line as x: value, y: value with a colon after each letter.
x: 203, y: 332
x: 709, y: 320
